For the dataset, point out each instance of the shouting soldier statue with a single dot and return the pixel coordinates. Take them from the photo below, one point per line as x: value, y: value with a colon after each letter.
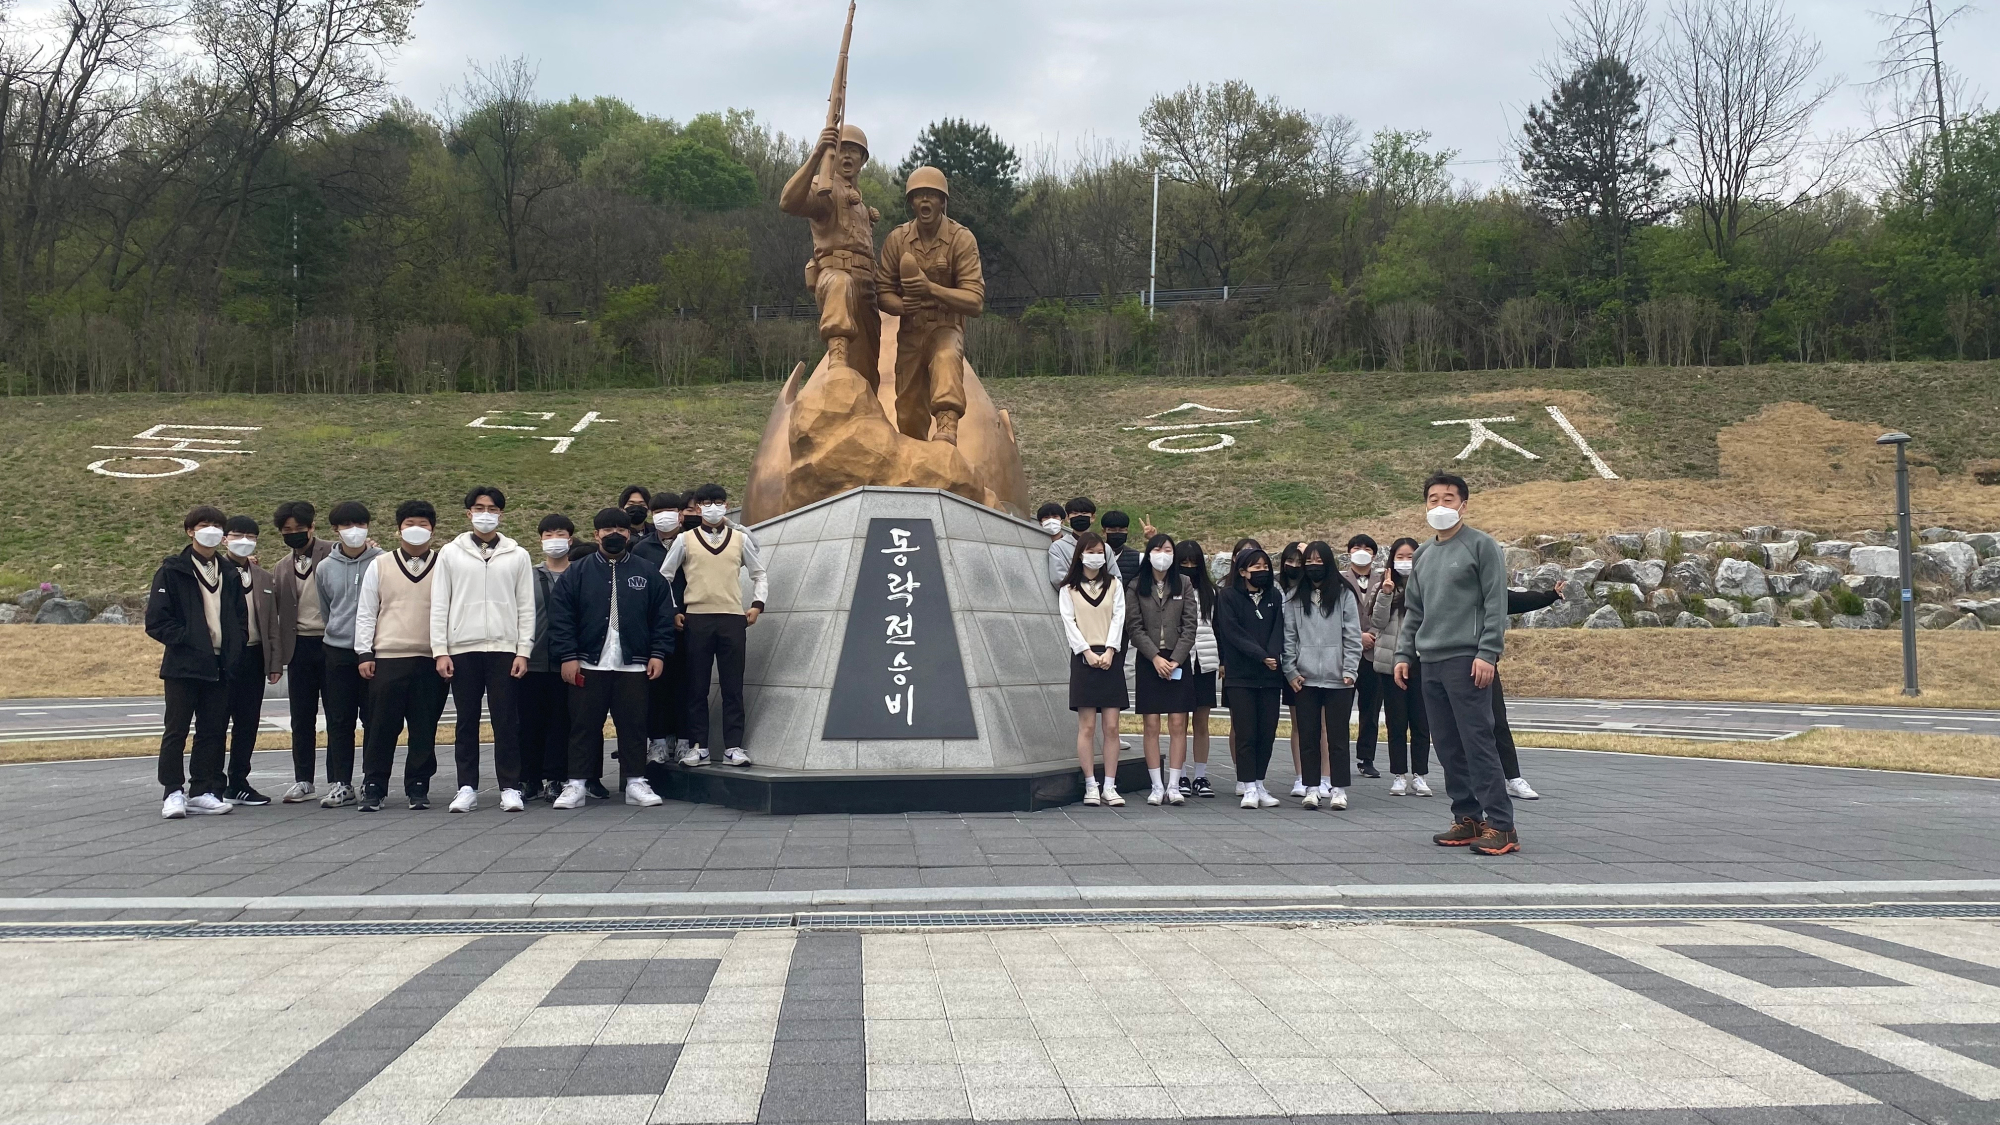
x: 929, y: 275
x: 842, y: 273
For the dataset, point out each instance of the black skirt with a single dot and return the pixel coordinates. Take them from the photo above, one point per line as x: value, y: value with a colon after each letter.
x: 1101, y: 689
x: 1202, y: 693
x: 1156, y: 696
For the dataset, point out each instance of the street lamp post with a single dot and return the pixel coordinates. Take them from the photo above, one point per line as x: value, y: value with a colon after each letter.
x: 1153, y: 271
x: 1909, y: 603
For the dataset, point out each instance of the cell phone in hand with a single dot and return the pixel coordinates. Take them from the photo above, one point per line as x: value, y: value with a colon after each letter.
x: 1177, y: 674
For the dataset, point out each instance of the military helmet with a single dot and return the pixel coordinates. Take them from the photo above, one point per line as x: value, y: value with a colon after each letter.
x: 852, y: 134
x: 926, y: 177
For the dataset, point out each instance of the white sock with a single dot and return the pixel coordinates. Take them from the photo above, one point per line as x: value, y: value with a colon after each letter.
x: 1154, y: 773
x: 1200, y: 769
x: 1090, y: 781
x: 1173, y: 779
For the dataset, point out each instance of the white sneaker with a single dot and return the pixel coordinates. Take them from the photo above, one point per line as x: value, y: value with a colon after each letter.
x: 1298, y: 787
x: 207, y: 804
x: 1156, y: 796
x: 639, y: 791
x: 512, y: 801
x: 1265, y: 800
x: 338, y: 795
x: 1090, y: 796
x: 734, y: 756
x: 1241, y: 789
x: 573, y: 796
x: 1337, y: 800
x: 659, y: 751
x: 1111, y: 796
x: 466, y: 801
x: 1175, y: 797
x: 299, y: 793
x: 1249, y: 797
x: 1418, y: 786
x: 176, y: 806
x: 1400, y: 786
x: 1519, y: 789
x: 1311, y: 799
x: 694, y: 756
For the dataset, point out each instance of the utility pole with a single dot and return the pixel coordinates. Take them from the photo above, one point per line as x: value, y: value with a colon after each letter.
x: 1153, y: 272
x: 1901, y: 440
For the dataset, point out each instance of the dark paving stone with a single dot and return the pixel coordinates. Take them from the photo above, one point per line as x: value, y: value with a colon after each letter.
x: 1780, y: 966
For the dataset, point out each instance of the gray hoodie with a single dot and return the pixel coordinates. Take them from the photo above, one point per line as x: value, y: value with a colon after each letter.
x: 339, y: 579
x: 1325, y: 648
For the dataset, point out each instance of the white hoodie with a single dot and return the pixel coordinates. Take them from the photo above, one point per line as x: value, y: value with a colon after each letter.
x: 483, y: 600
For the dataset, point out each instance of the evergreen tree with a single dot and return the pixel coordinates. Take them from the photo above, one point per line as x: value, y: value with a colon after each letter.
x: 1589, y: 159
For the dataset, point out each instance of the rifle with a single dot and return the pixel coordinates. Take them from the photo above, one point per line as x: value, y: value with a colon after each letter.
x: 836, y: 105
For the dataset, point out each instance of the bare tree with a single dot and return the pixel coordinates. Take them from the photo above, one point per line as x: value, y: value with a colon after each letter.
x: 1913, y: 73
x: 1736, y: 79
x: 498, y: 133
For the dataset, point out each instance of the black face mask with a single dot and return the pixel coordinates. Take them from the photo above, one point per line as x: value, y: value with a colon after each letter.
x: 690, y: 522
x: 1315, y: 572
x: 1258, y: 579
x: 637, y: 513
x: 297, y: 540
x: 1116, y: 540
x: 1289, y: 570
x: 1079, y: 523
x: 614, y: 543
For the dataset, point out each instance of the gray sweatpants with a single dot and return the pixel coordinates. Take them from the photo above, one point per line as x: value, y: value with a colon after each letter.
x: 1461, y: 717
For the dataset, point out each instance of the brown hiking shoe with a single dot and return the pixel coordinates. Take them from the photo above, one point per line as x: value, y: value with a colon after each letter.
x: 1495, y: 842
x: 1461, y: 833
x: 947, y: 429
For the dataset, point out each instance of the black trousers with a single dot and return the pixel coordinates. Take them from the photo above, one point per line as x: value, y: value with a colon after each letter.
x: 346, y: 701
x: 1368, y: 695
x: 1409, y: 728
x: 1253, y: 725
x: 544, y: 706
x: 1322, y: 712
x: 205, y: 704
x: 1503, y: 735
x: 622, y: 695
x: 405, y: 689
x: 1461, y: 718
x: 664, y: 706
x: 305, y: 686
x: 477, y: 675
x: 715, y: 641
x: 246, y: 710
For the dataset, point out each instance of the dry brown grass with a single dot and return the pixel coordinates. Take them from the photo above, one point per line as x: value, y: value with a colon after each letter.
x: 62, y: 661
x: 1964, y: 755
x: 1752, y: 665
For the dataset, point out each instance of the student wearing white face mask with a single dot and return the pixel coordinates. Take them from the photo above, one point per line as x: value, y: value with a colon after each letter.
x: 196, y: 611
x: 1402, y: 704
x: 337, y: 586
x: 1161, y: 618
x: 392, y: 635
x: 665, y: 709
x: 712, y: 560
x: 1365, y: 581
x: 482, y: 624
x: 1092, y: 601
x: 260, y: 664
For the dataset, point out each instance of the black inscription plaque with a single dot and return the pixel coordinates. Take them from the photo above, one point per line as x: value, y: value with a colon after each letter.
x: 900, y: 675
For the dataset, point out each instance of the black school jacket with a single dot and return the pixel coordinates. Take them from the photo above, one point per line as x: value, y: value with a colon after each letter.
x: 174, y: 618
x: 580, y: 610
x: 1248, y: 632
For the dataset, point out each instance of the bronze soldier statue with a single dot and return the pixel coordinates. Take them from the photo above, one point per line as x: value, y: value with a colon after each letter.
x: 842, y: 272
x: 929, y: 275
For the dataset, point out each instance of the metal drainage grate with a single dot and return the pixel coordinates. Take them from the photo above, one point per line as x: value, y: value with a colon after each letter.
x: 1010, y: 919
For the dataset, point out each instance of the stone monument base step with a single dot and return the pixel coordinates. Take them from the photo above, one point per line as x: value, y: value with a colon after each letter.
x: 793, y: 792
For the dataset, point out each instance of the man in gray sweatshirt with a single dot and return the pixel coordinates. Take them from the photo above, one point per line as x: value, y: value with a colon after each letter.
x: 1456, y: 628
x: 337, y: 580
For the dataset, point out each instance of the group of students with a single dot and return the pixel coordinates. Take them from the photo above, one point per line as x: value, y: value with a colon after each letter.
x: 630, y: 622
x: 1414, y: 637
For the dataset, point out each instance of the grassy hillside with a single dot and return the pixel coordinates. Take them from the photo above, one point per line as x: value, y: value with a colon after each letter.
x: 1325, y: 453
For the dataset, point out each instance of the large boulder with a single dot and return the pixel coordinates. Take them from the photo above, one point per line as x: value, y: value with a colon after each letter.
x: 1690, y: 577
x: 1738, y: 579
x: 1762, y: 533
x: 1765, y: 605
x: 32, y: 598
x: 1875, y: 560
x: 1645, y: 620
x: 1956, y: 561
x: 1987, y: 543
x: 1936, y: 617
x: 1657, y: 542
x: 1647, y: 574
x: 1630, y: 546
x: 1699, y: 540
x: 1602, y: 591
x: 111, y: 615
x: 1987, y: 577
x: 9, y: 613
x: 1665, y: 602
x: 1520, y: 558
x: 1606, y: 618
x: 1878, y: 607
x: 1988, y: 611
x: 1690, y: 621
x: 1831, y: 548
x: 1752, y: 620
x: 1817, y: 576
x: 62, y: 611
x: 1544, y: 578
x: 1779, y: 554
x: 1584, y: 575
x: 1562, y: 615
x: 1807, y: 606
x: 1784, y: 585
x: 1968, y: 623
x: 1874, y: 586
x: 1800, y: 537
x: 1939, y: 535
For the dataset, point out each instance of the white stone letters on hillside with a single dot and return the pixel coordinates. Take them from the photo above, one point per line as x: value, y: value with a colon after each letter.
x: 169, y: 448
x: 1481, y: 435
x: 1203, y: 432
x: 560, y: 443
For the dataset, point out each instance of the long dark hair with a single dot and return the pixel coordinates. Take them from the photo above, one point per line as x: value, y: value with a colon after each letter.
x: 1144, y: 586
x: 1331, y: 588
x: 1244, y: 560
x: 1085, y: 540
x: 1189, y: 551
x: 1402, y: 580
x: 1244, y: 544
x: 1292, y: 552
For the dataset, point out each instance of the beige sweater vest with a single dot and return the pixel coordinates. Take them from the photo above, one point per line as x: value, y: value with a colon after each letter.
x: 714, y: 582
x: 403, y: 619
